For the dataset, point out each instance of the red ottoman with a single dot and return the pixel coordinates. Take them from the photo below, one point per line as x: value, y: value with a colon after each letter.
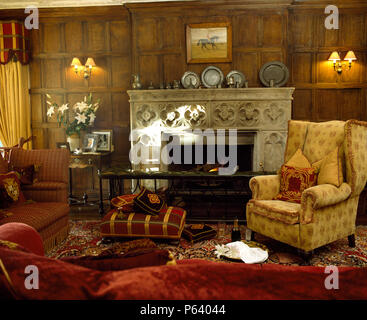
x: 168, y: 224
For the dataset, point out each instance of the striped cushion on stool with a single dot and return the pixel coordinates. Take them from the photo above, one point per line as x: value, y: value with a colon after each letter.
x: 168, y: 224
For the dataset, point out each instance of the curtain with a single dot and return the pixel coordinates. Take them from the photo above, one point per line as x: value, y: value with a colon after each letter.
x: 15, y: 112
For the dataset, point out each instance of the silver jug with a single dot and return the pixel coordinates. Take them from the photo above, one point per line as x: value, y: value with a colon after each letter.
x: 136, y: 84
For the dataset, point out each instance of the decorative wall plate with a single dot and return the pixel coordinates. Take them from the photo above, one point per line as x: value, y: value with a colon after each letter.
x: 238, y: 77
x: 212, y: 77
x: 190, y: 80
x: 274, y: 74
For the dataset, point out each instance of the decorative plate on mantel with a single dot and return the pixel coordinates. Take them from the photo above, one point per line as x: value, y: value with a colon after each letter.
x: 238, y: 77
x: 212, y: 77
x: 274, y: 74
x: 190, y: 80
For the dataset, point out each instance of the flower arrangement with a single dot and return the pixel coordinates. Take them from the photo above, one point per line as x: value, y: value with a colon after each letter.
x: 84, y: 114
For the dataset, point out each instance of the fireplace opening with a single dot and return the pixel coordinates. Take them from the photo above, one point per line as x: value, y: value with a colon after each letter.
x: 207, y: 156
x: 244, y: 160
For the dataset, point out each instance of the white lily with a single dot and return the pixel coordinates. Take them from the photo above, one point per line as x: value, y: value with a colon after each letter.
x: 49, y: 103
x: 63, y: 108
x: 81, y: 106
x: 50, y: 111
x: 81, y: 118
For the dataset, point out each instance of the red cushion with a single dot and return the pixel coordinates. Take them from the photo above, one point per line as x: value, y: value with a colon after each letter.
x: 168, y: 224
x: 11, y: 192
x: 125, y: 203
x: 26, y: 173
x: 148, y: 202
x: 24, y: 235
x: 293, y: 181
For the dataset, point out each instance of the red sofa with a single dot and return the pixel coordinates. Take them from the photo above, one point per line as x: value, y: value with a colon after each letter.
x: 146, y: 276
x: 48, y: 213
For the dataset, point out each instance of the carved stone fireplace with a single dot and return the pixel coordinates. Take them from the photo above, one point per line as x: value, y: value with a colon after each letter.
x: 261, y: 112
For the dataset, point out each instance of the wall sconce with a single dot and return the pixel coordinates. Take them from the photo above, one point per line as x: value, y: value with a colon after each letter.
x: 338, y: 65
x: 85, y: 70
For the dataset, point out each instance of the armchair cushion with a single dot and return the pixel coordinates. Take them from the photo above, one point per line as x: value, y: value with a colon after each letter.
x: 283, y: 211
x: 293, y: 181
x: 326, y: 195
x: 330, y: 168
x: 299, y: 160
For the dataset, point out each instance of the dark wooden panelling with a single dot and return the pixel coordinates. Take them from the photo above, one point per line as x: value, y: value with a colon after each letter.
x: 149, y: 39
x: 327, y: 105
x: 302, y: 105
x: 101, y: 33
x: 74, y: 36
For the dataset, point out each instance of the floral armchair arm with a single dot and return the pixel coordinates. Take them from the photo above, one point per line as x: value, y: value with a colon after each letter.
x: 320, y: 196
x: 265, y: 187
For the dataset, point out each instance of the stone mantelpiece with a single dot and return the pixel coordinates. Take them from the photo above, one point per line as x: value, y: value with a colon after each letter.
x: 264, y: 111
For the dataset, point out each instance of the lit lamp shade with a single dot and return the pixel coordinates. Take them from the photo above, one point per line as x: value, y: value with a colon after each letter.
x: 90, y: 63
x: 334, y: 57
x: 350, y: 56
x: 76, y: 63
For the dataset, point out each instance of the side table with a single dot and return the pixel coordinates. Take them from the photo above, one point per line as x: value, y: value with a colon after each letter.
x: 93, y: 160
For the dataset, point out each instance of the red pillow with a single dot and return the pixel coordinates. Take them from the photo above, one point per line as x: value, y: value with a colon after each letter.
x: 125, y: 203
x: 148, y: 202
x: 25, y: 174
x: 10, y: 191
x: 293, y: 181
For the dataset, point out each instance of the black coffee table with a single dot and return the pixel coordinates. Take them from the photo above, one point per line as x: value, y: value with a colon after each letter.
x: 196, y: 188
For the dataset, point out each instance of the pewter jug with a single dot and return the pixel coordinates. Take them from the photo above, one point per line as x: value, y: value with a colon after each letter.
x: 136, y: 84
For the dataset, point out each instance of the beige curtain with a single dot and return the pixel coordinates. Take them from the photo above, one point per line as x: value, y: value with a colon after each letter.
x: 15, y: 111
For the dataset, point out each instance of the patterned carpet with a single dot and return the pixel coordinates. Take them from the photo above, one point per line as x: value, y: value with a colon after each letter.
x: 84, y: 239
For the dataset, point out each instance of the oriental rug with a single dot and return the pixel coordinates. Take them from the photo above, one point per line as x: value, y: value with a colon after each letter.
x: 84, y: 239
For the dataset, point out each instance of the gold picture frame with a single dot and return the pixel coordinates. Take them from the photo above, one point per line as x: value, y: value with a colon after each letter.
x: 209, y: 42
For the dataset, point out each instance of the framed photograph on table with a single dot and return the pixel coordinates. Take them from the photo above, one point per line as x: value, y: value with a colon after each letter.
x: 104, y: 143
x: 209, y: 42
x: 90, y: 143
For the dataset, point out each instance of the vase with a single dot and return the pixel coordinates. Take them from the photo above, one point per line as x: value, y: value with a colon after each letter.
x: 74, y: 142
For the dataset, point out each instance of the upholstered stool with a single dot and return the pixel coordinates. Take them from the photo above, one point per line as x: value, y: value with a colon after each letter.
x: 168, y: 224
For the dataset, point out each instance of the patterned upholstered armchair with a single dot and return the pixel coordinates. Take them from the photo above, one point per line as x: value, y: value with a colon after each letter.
x: 326, y: 212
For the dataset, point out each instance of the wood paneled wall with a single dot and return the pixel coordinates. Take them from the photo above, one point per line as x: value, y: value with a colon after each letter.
x: 149, y: 39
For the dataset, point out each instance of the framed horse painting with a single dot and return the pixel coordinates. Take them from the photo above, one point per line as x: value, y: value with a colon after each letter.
x: 209, y: 42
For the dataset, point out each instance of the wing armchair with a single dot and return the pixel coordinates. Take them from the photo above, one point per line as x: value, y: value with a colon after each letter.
x: 326, y: 212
